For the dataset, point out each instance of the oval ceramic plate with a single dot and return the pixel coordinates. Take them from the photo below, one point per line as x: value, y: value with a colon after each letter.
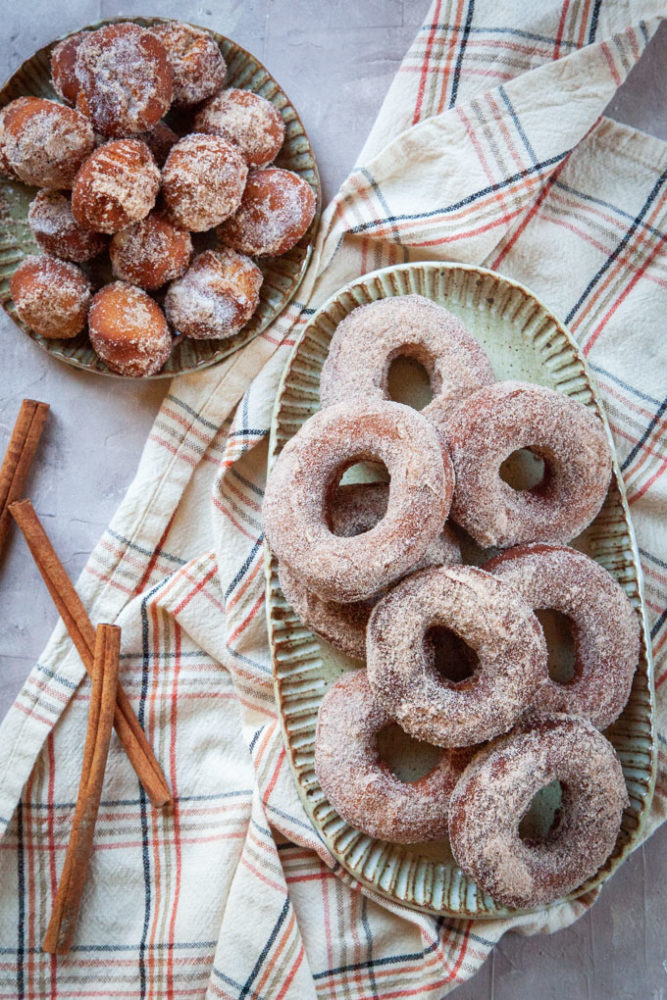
x: 282, y: 275
x: 524, y: 341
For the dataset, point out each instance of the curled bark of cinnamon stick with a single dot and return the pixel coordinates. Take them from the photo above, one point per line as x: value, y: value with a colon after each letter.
x: 66, y: 905
x: 82, y: 634
x: 18, y: 458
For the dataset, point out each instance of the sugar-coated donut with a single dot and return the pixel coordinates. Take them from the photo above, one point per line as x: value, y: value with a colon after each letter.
x: 495, y: 791
x: 63, y: 66
x: 502, y: 418
x: 372, y: 336
x: 246, y: 119
x: 160, y: 140
x: 216, y: 296
x: 150, y: 252
x: 360, y: 785
x: 57, y: 231
x: 357, y: 508
x: 128, y: 330
x: 125, y: 80
x: 605, y: 627
x: 116, y: 186
x: 51, y: 296
x: 276, y: 209
x: 303, y: 480
x: 490, y: 618
x: 43, y: 143
x: 196, y: 61
x: 203, y: 181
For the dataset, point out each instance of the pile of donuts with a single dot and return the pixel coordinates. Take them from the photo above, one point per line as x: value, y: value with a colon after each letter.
x: 115, y: 178
x: 376, y: 570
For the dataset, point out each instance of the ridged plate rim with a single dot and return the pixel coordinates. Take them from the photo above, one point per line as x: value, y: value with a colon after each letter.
x: 287, y: 270
x: 348, y: 846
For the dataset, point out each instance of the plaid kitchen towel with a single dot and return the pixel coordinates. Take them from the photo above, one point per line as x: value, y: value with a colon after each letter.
x: 489, y: 149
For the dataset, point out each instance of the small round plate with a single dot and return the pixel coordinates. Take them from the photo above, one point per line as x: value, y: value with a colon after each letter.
x: 524, y: 341
x: 282, y: 275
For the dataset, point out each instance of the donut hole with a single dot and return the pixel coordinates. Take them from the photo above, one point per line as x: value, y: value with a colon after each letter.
x: 541, y: 819
x: 448, y: 656
x: 559, y: 636
x: 524, y: 470
x: 409, y: 382
x: 408, y: 759
x: 361, y: 472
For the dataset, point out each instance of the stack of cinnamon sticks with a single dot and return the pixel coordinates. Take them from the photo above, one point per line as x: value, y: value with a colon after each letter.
x: 99, y: 650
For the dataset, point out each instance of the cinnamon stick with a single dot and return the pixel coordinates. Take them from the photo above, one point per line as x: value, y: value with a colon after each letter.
x: 82, y: 634
x: 18, y: 458
x: 104, y: 676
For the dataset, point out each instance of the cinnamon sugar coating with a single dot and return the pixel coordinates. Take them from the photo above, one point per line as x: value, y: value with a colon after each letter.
x: 491, y: 618
x: 150, y: 252
x: 43, y: 143
x: 57, y: 231
x: 357, y: 508
x: 495, y: 791
x: 51, y: 296
x: 276, y: 209
x: 360, y: 785
x: 372, y: 336
x: 605, y: 627
x: 124, y: 77
x: 63, y: 66
x: 216, y: 296
x: 196, y: 61
x: 128, y: 330
x: 302, y: 482
x: 203, y: 181
x: 505, y: 417
x: 247, y: 120
x: 116, y: 186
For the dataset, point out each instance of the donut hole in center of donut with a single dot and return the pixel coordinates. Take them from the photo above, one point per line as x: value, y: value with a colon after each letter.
x: 525, y: 471
x: 561, y: 649
x: 449, y: 656
x: 408, y: 759
x: 409, y: 382
x: 541, y: 819
x: 347, y: 520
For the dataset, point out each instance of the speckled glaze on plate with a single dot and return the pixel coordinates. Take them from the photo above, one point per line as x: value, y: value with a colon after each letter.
x: 282, y: 275
x: 524, y: 341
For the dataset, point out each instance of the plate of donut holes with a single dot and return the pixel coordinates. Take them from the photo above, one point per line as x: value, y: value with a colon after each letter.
x: 158, y: 198
x: 454, y: 597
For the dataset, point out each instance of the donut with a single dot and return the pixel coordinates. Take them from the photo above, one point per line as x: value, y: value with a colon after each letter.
x: 246, y: 119
x: 360, y: 785
x: 160, y: 140
x: 216, y: 296
x: 57, y: 231
x: 125, y: 80
x: 51, y: 296
x: 203, y: 181
x: 196, y: 61
x: 44, y: 143
x: 605, y: 627
x: 491, y: 619
x: 357, y: 508
x: 150, y: 252
x: 372, y: 336
x: 495, y: 791
x: 128, y: 330
x: 302, y: 484
x: 63, y: 66
x: 498, y: 420
x: 117, y: 185
x: 276, y: 209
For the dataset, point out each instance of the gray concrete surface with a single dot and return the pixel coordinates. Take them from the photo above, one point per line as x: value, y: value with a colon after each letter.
x: 336, y: 61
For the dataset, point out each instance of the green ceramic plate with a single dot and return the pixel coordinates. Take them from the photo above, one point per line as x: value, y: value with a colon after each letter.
x: 282, y: 275
x: 524, y: 341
